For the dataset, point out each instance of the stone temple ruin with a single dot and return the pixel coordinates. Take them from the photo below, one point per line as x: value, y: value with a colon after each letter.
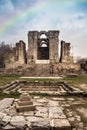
x: 42, y: 57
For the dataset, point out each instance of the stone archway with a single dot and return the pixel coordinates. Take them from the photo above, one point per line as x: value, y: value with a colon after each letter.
x: 43, y: 48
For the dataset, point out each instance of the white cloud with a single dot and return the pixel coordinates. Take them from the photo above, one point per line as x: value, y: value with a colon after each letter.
x: 72, y: 24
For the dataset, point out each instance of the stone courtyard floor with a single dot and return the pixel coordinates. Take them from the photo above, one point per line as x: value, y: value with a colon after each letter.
x: 51, y: 113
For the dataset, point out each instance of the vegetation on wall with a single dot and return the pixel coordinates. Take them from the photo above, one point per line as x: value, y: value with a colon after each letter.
x: 5, y: 50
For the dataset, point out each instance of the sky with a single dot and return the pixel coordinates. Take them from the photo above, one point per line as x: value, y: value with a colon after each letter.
x: 17, y: 17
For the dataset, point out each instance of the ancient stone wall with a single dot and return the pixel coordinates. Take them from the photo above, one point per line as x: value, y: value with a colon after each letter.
x: 33, y: 43
x: 53, y: 45
x: 65, y: 53
x: 83, y: 65
x: 18, y: 55
x: 42, y: 57
x: 32, y: 46
x: 22, y: 52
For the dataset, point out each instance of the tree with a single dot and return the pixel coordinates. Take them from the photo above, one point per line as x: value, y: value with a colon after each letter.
x: 5, y: 50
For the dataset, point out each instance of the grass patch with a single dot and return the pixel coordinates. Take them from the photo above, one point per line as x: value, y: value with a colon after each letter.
x: 77, y: 79
x: 72, y: 80
x: 10, y: 95
x: 5, y: 79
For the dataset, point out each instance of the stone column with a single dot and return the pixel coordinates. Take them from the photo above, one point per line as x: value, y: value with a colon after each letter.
x: 65, y: 52
x: 53, y: 46
x: 22, y: 52
x: 17, y: 52
x: 32, y: 45
x: 62, y: 51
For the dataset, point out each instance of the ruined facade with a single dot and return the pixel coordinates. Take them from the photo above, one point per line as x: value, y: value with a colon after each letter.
x: 18, y: 55
x: 42, y: 56
x: 83, y: 65
x: 65, y: 53
x: 43, y: 46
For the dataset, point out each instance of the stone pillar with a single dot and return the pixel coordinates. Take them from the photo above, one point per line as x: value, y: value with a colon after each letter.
x: 14, y: 54
x: 65, y: 52
x: 53, y: 46
x: 22, y: 52
x: 17, y: 52
x: 62, y: 51
x: 32, y: 45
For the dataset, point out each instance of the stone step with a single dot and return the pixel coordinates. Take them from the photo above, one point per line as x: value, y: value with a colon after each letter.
x: 40, y: 89
x: 16, y: 88
x: 43, y: 88
x: 7, y: 85
x: 24, y: 103
x: 25, y: 108
x: 11, y: 87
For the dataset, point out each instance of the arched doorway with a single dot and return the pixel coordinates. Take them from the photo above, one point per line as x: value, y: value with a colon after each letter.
x: 43, y: 48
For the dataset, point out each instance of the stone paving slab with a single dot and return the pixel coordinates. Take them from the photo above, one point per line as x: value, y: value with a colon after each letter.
x: 18, y: 121
x: 61, y: 124
x: 34, y: 119
x: 50, y: 77
x: 50, y: 114
x: 5, y: 103
x: 41, y: 125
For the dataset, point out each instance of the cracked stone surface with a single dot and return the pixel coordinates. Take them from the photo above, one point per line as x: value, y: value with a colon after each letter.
x: 51, y: 113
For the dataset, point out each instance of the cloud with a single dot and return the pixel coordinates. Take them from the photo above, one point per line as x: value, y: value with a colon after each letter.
x: 64, y: 15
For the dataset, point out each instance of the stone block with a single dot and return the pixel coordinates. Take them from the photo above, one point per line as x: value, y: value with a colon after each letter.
x: 25, y: 108
x: 34, y: 119
x: 9, y: 127
x: 5, y: 103
x: 24, y: 103
x: 61, y: 124
x: 24, y: 98
x: 2, y: 115
x: 41, y: 125
x: 6, y: 119
x: 18, y: 121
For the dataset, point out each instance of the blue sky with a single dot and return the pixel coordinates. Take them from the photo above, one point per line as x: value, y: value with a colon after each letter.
x: 17, y: 17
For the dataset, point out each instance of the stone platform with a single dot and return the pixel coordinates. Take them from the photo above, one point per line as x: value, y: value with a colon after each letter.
x: 51, y: 113
x: 25, y: 103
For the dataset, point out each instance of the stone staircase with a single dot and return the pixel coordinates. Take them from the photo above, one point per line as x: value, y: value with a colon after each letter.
x: 57, y: 88
x: 54, y: 88
x: 13, y: 86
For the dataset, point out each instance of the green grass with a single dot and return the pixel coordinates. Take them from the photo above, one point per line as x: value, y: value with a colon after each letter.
x: 72, y: 80
x: 10, y: 95
x: 5, y: 79
x: 77, y: 79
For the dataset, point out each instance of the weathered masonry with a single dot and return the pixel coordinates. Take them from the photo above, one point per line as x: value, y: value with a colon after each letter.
x: 42, y: 57
x: 43, y: 46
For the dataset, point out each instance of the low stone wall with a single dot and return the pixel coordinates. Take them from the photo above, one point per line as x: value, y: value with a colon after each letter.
x: 43, y: 70
x: 50, y: 88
